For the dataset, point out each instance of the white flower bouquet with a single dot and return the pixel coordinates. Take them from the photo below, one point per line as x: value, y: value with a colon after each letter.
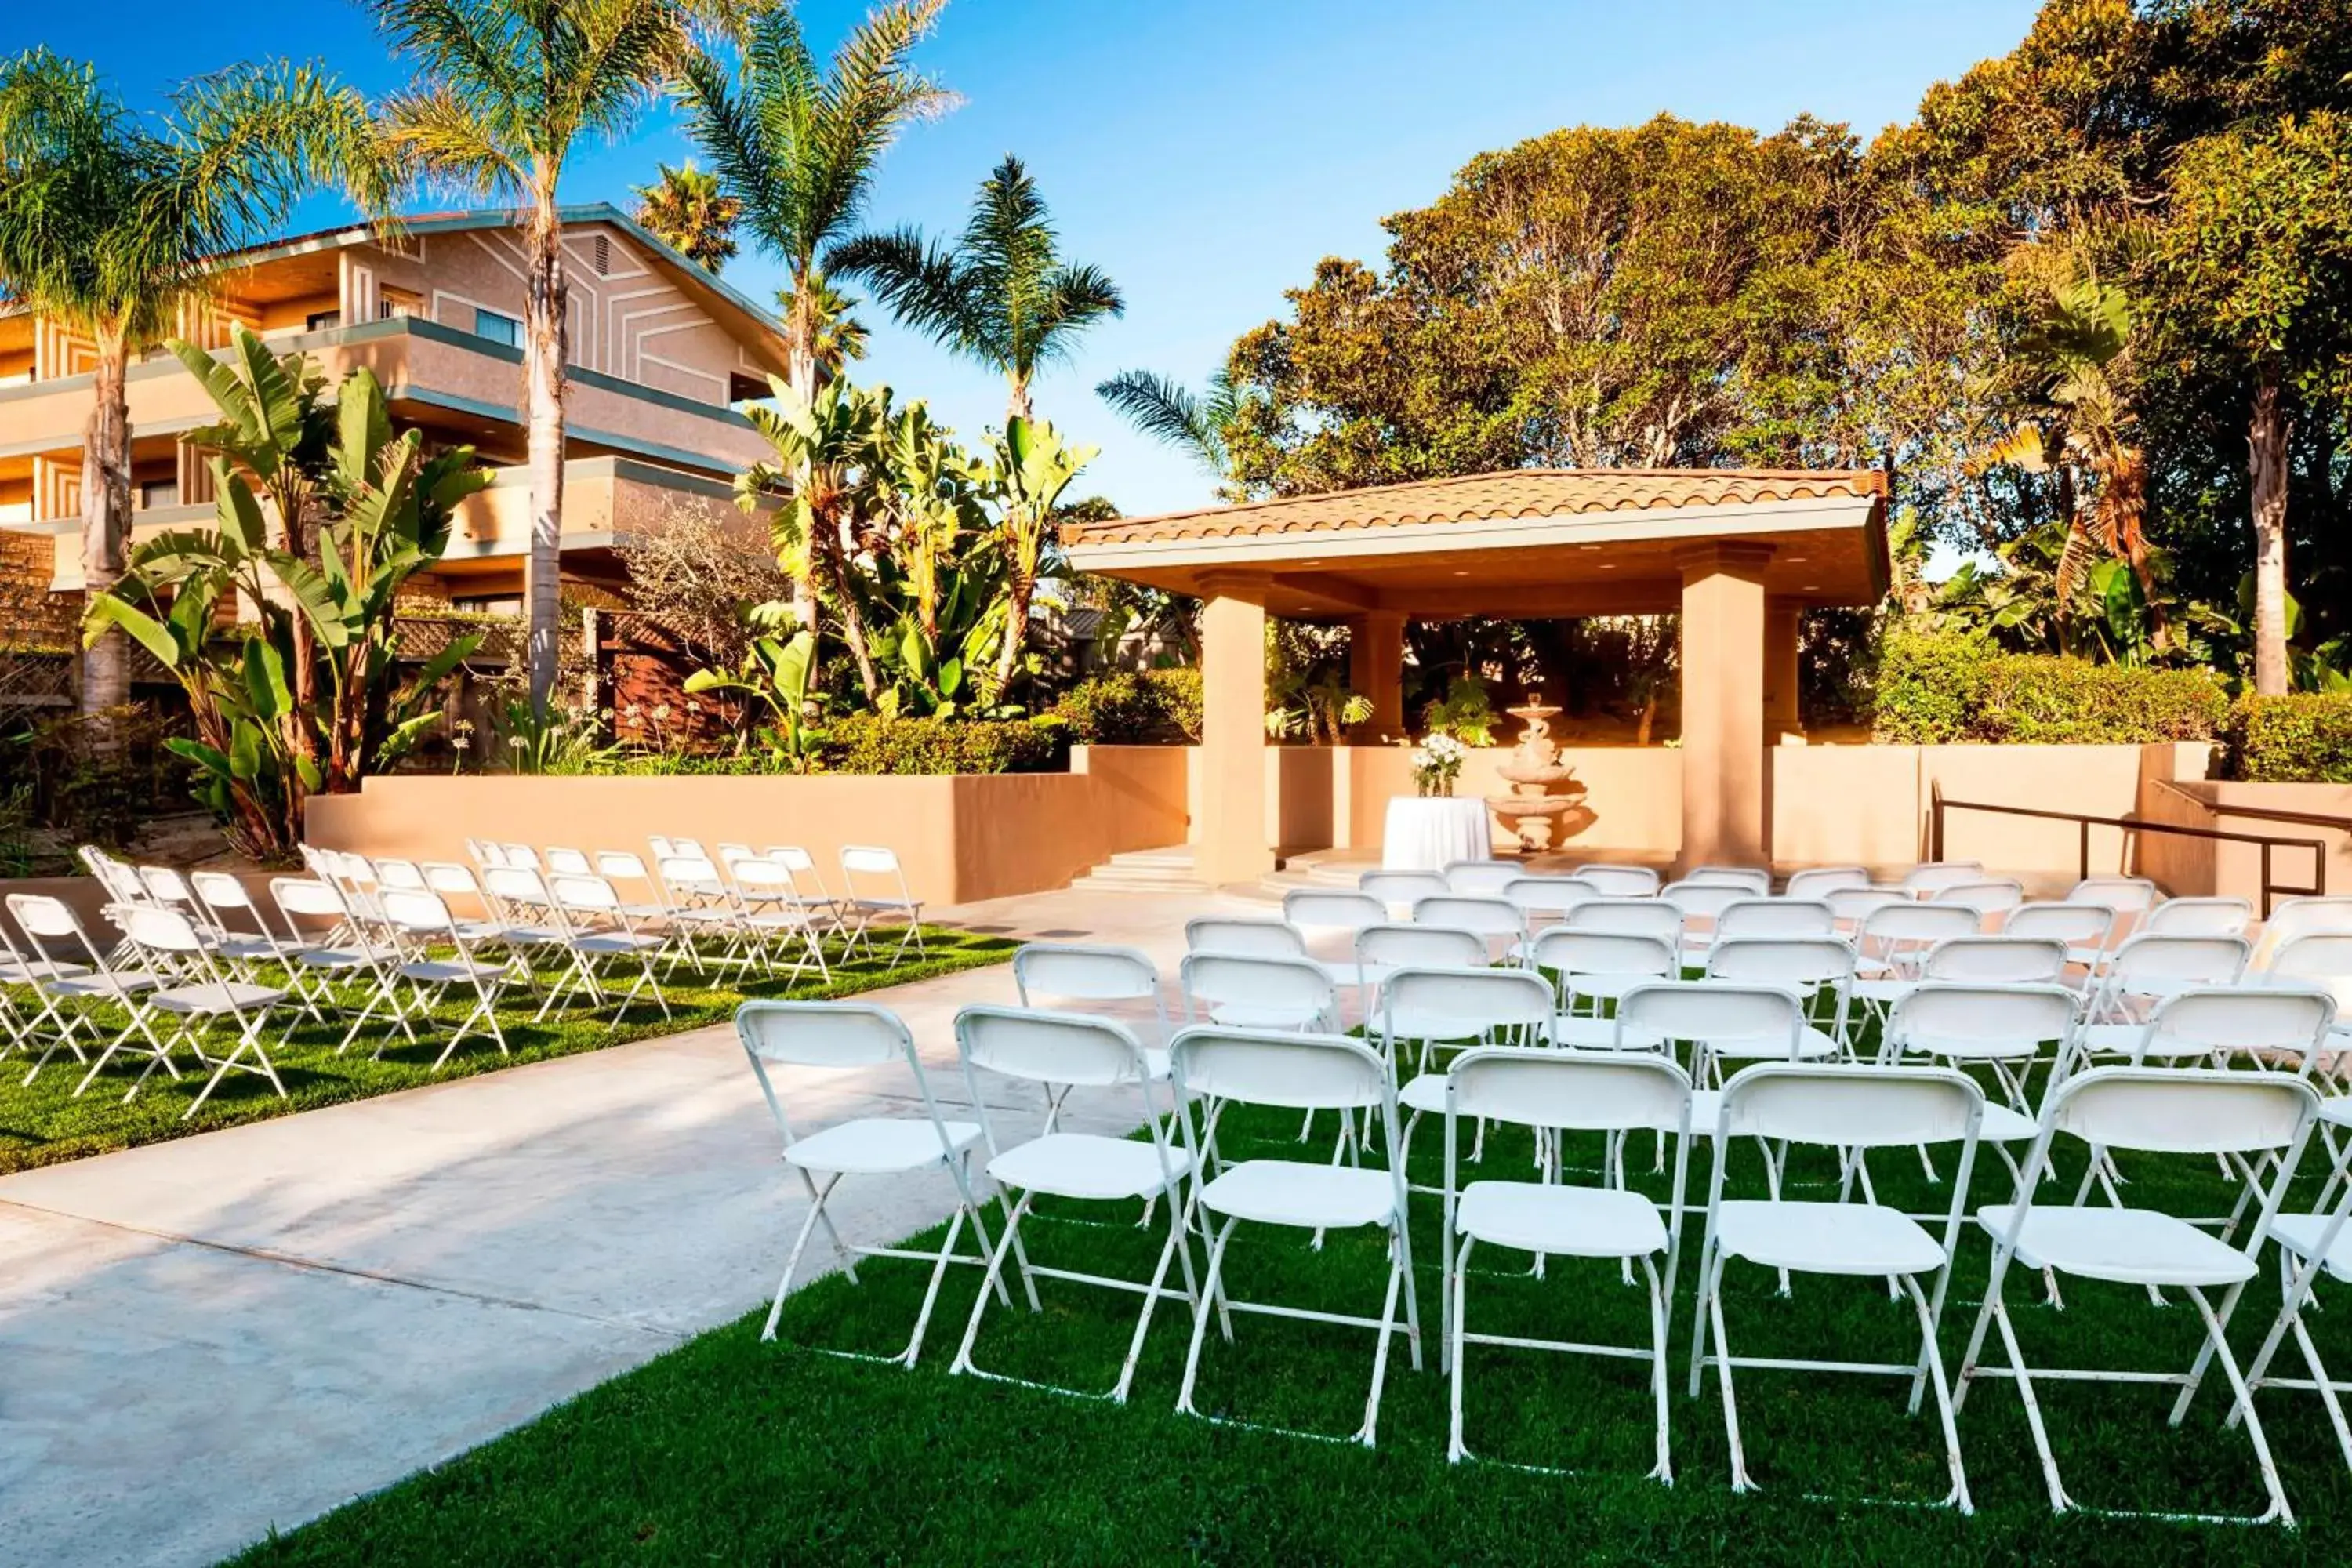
x: 1436, y: 764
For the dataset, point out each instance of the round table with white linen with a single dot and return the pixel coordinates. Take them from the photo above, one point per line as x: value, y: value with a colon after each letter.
x: 1429, y: 833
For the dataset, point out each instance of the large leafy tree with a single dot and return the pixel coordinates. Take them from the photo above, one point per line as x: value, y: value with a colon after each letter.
x: 111, y: 222
x: 504, y: 90
x: 685, y: 210
x: 797, y: 142
x: 1002, y: 295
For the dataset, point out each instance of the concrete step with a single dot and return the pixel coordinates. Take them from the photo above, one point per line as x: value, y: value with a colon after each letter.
x: 1164, y: 870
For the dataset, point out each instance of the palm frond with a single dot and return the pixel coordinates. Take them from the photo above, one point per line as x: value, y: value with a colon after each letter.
x: 922, y: 284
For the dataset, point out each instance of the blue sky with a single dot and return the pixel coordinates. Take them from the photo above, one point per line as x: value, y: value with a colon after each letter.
x: 1206, y: 153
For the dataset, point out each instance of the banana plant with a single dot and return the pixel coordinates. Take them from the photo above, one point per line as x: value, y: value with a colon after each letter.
x: 778, y: 675
x: 1027, y: 473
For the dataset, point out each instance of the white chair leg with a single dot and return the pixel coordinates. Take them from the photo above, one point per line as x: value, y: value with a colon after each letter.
x: 1457, y: 1450
x: 1664, y: 1472
x: 1932, y: 1359
x: 1210, y: 1291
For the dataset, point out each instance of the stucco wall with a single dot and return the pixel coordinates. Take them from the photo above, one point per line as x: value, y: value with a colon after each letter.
x: 2190, y: 865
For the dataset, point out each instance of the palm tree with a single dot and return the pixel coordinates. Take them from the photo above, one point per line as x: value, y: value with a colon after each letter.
x: 1167, y: 411
x: 835, y: 336
x: 685, y: 210
x: 503, y: 90
x: 111, y: 222
x: 1000, y: 295
x: 797, y: 142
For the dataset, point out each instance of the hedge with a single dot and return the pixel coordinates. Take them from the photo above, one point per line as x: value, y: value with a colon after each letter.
x: 869, y: 743
x: 1158, y: 707
x: 1936, y: 688
x: 2303, y: 737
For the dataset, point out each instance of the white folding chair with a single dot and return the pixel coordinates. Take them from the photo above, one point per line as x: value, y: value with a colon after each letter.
x: 1313, y: 910
x: 2008, y: 1030
x: 702, y: 903
x: 1502, y: 922
x: 772, y: 912
x: 65, y: 989
x: 569, y: 863
x: 167, y: 934
x: 420, y: 916
x: 845, y: 1035
x: 1619, y: 881
x: 2148, y: 968
x: 1299, y: 1072
x: 28, y: 966
x: 2297, y: 918
x: 808, y: 884
x: 1061, y: 1051
x: 1552, y: 1093
x: 1894, y: 941
x: 1251, y: 991
x: 873, y: 888
x: 2086, y: 928
x: 1805, y: 966
x: 1245, y: 937
x: 1545, y: 899
x: 346, y: 953
x: 1820, y: 881
x: 1481, y: 879
x: 1596, y: 968
x: 1850, y: 1108
x: 1701, y: 904
x: 1756, y: 881
x: 599, y: 932
x: 1433, y: 1008
x: 521, y: 856
x: 224, y: 897
x: 1091, y: 975
x: 1988, y: 897
x: 1399, y: 891
x: 2156, y: 1111
x: 1929, y: 877
x: 2199, y: 917
x: 1716, y: 1019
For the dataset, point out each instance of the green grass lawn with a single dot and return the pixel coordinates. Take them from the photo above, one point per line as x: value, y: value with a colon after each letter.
x: 730, y: 1450
x: 45, y: 1123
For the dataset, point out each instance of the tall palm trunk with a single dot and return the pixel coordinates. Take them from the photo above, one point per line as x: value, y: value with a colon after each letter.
x: 544, y: 386
x: 106, y: 520
x: 2266, y: 470
x: 800, y: 374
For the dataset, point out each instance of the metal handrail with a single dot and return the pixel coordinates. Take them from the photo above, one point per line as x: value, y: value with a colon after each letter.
x: 2271, y: 887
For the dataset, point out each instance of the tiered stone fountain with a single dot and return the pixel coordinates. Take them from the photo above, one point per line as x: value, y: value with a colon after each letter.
x: 1530, y: 810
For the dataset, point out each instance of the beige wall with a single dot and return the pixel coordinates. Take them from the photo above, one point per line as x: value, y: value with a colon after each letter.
x: 960, y: 839
x: 2190, y: 865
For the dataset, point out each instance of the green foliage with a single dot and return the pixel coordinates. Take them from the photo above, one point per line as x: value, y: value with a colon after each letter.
x: 1155, y: 706
x: 777, y: 673
x: 873, y: 743
x: 1936, y: 688
x: 2304, y: 737
x: 560, y: 741
x: 685, y: 210
x: 1465, y: 713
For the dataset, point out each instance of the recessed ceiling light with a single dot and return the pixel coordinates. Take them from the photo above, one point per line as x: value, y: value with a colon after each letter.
x: 1462, y: 574
x: 1791, y: 559
x: 1811, y: 588
x: 1609, y: 566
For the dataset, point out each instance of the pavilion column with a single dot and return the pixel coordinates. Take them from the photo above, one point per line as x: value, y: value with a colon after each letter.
x: 1723, y: 648
x: 1780, y: 715
x: 1376, y: 671
x: 1232, y: 843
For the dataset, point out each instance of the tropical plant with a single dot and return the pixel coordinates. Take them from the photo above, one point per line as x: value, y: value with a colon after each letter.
x: 502, y: 93
x: 1465, y: 713
x: 835, y: 335
x: 779, y: 674
x: 1199, y: 424
x: 1321, y: 710
x: 556, y: 740
x: 383, y: 513
x: 112, y: 222
x: 1002, y: 296
x: 1028, y: 470
x: 685, y: 210
x: 797, y: 142
x: 936, y: 583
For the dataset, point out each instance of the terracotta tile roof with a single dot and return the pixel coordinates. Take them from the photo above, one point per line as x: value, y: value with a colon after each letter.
x: 1509, y: 494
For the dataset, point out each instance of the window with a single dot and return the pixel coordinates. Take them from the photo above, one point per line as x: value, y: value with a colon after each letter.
x: 497, y: 328
x: 157, y: 493
x: 323, y: 320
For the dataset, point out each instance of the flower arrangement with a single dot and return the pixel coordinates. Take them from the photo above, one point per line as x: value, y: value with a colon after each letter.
x: 1436, y: 764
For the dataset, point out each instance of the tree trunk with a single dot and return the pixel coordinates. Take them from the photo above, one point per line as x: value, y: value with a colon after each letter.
x: 1018, y: 586
x: 800, y: 374
x: 2266, y: 470
x: 544, y: 386
x: 105, y: 523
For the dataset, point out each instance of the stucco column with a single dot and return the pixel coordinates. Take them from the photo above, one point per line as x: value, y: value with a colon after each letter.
x: 1232, y: 846
x: 1723, y: 641
x: 1376, y: 670
x: 1780, y: 717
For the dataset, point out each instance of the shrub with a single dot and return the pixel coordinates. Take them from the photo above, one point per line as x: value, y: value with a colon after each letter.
x: 1935, y: 688
x: 1158, y: 707
x: 2303, y: 738
x: 870, y: 744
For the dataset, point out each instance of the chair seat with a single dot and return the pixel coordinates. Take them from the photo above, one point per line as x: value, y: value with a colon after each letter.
x: 1087, y: 1165
x: 2125, y: 1040
x: 879, y: 1145
x: 12, y: 972
x: 2129, y: 1246
x: 1426, y: 1093
x: 1293, y: 1193
x: 449, y: 971
x: 121, y: 982
x: 887, y: 906
x: 2003, y: 1125
x: 1826, y: 1239
x: 251, y: 949
x: 216, y: 996
x: 2301, y: 1234
x: 2337, y: 1109
x: 1579, y: 1033
x: 1884, y: 992
x: 608, y: 942
x: 1608, y: 987
x: 1259, y: 1015
x: 341, y: 957
x: 1409, y: 1024
x: 1570, y: 1222
x: 1811, y: 1045
x: 1348, y: 972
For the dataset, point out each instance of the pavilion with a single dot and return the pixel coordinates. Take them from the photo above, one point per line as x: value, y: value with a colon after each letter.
x: 1740, y: 552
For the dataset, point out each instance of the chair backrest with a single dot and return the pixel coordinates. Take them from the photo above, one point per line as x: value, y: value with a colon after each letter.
x: 221, y: 890
x: 166, y: 886
x: 590, y: 893
x: 1852, y: 906
x: 1850, y: 1106
x: 2258, y: 1020
x: 400, y: 874
x: 1820, y: 881
x: 2295, y: 918
x: 1548, y: 895
x: 570, y: 862
x: 1235, y: 934
x: 1050, y: 1048
x: 2083, y: 924
x: 1084, y: 973
x: 521, y: 854
x: 1619, y: 881
x: 2184, y: 1110
x: 1703, y: 900
x: 1631, y: 916
x: 1775, y: 916
x: 663, y: 847
x: 160, y: 929
x: 622, y: 866
x: 1888, y: 931
x: 1296, y: 1072
x: 793, y: 858
x: 1982, y: 1019
x: 303, y: 896
x: 1716, y: 1011
x: 691, y: 874
x: 1333, y: 910
x: 822, y: 1034
x: 1488, y: 917
x: 517, y: 884
x: 2324, y: 957
x: 2127, y: 895
x: 1400, y: 943
x: 1755, y: 879
x: 451, y: 880
x: 1997, y: 961
x: 872, y: 860
x: 2196, y: 960
x: 121, y: 881
x: 1481, y: 878
x: 416, y: 909
x: 1401, y: 889
x: 1477, y: 1000
x: 1240, y: 980
x: 1924, y: 880
x: 2199, y: 917
x: 43, y: 918
x: 1781, y: 961
x: 1573, y: 953
x: 758, y: 874
x: 1580, y: 1092
x: 1988, y: 896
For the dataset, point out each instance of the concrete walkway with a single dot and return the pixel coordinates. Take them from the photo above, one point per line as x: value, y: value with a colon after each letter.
x: 204, y: 1339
